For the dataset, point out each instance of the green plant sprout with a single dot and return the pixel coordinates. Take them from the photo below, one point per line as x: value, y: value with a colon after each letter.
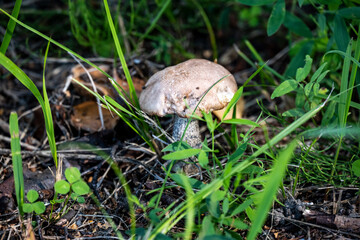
x: 34, y: 206
x: 74, y: 187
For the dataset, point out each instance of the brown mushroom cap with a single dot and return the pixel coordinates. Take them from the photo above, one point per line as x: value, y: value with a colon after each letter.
x: 167, y: 91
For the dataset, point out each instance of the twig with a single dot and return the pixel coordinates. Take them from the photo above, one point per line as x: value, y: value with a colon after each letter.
x: 317, y: 226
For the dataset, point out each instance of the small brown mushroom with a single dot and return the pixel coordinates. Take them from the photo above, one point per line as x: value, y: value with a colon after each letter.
x: 178, y: 90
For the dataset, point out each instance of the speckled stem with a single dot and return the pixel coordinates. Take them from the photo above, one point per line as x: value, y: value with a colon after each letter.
x: 192, y: 135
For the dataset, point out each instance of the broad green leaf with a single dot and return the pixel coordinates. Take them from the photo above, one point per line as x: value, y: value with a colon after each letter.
x: 296, y: 25
x: 242, y: 207
x: 225, y: 206
x: 300, y: 2
x: 234, y: 223
x: 321, y: 77
x: 238, y: 153
x: 153, y: 215
x: 72, y: 174
x: 182, y: 154
x: 27, y: 208
x: 194, y: 183
x: 302, y: 73
x: 307, y: 89
x: 218, y: 195
x: 341, y: 34
x: 329, y: 114
x: 80, y: 199
x: 322, y: 22
x: 80, y: 187
x: 74, y: 196
x: 318, y: 72
x: 213, y: 207
x: 284, y: 88
x: 241, y: 122
x: 316, y: 88
x: 276, y: 18
x: 176, y: 146
x: 355, y: 168
x: 350, y: 13
x: 207, y: 227
x: 203, y: 159
x: 295, y: 112
x: 39, y: 207
x: 298, y: 60
x: 32, y: 195
x: 62, y: 187
x: 256, y: 2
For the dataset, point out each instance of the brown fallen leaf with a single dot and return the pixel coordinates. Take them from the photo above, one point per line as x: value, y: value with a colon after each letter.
x: 101, y: 82
x: 78, y: 71
x: 86, y: 117
x: 137, y: 82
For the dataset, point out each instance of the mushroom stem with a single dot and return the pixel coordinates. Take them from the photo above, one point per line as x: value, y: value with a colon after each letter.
x: 192, y: 134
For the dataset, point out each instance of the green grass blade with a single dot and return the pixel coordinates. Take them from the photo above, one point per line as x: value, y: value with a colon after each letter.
x: 178, y: 213
x: 344, y: 88
x: 232, y: 102
x: 190, y: 215
x: 54, y: 42
x: 261, y: 61
x: 352, y: 77
x: 10, y: 27
x: 21, y: 76
x: 132, y: 91
x: 276, y: 18
x: 239, y: 92
x: 209, y: 28
x: 155, y: 20
x: 49, y: 124
x: 17, y: 161
x: 270, y: 190
x: 26, y: 81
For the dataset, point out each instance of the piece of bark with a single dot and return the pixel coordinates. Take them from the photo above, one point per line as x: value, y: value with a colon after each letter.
x: 333, y: 221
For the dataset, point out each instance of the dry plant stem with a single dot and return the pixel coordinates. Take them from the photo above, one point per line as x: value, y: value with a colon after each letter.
x: 192, y: 134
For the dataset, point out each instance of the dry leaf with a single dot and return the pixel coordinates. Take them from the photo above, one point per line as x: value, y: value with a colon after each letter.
x: 86, y: 117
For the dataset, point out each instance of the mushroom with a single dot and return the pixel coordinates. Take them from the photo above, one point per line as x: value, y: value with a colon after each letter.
x: 178, y: 89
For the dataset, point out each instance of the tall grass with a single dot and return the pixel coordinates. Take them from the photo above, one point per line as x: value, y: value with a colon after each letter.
x: 17, y: 161
x: 44, y: 102
x: 10, y: 27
